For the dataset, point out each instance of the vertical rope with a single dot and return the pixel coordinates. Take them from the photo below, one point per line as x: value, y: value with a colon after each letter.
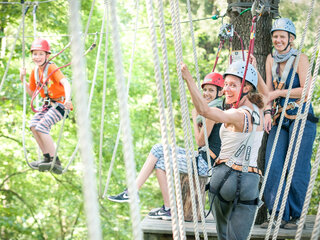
x: 84, y: 134
x: 278, y: 133
x: 184, y: 108
x: 91, y: 92
x: 103, y: 98
x: 298, y: 141
x: 128, y: 87
x: 171, y: 122
x: 190, y: 139
x: 89, y: 20
x: 313, y: 177
x: 195, y: 58
x: 35, y: 34
x: 24, y: 85
x: 13, y: 47
x: 34, y: 14
x: 164, y: 131
x: 317, y: 161
x: 316, y: 226
x: 203, y: 219
x: 125, y: 126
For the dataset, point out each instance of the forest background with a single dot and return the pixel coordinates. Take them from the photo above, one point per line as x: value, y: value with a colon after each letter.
x: 37, y: 205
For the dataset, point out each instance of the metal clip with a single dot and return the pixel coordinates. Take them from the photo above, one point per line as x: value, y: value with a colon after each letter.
x: 46, y: 101
x: 257, y: 9
x: 226, y: 31
x: 292, y: 105
x: 229, y: 163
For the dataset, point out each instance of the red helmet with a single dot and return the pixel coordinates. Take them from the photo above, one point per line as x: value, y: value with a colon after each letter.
x: 213, y: 79
x: 40, y: 44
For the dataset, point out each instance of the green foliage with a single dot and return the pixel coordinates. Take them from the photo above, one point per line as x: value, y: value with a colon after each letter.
x: 37, y: 205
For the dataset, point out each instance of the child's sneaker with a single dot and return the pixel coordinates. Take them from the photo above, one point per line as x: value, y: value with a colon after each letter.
x: 122, y: 197
x: 46, y: 159
x: 160, y: 214
x: 57, y: 169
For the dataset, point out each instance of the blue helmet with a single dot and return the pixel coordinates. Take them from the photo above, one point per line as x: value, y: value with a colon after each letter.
x: 237, y: 69
x: 284, y: 24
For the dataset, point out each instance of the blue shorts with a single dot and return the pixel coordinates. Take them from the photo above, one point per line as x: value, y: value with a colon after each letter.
x: 43, y: 121
x: 157, y: 151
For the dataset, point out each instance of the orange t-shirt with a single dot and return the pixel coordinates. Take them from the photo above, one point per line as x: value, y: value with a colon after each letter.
x: 55, y: 88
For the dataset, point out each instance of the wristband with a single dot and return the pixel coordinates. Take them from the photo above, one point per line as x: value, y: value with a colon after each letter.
x: 268, y: 111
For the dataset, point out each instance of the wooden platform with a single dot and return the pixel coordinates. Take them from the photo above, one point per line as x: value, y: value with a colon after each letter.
x: 154, y: 229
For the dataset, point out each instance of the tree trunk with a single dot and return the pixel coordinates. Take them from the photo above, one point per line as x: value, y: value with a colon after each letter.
x: 262, y: 47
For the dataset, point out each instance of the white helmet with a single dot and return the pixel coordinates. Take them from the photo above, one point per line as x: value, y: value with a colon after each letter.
x: 284, y: 24
x: 237, y: 69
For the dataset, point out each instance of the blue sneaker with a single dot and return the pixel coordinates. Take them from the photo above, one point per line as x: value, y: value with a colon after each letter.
x: 161, y: 213
x: 120, y: 198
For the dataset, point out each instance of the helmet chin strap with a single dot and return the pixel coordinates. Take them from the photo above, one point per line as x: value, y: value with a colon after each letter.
x: 287, y: 44
x: 242, y: 95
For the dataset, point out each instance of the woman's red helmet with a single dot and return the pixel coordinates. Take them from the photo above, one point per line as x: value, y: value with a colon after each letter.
x: 41, y: 45
x: 213, y: 79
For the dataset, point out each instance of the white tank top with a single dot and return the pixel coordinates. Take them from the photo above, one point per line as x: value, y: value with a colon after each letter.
x: 231, y: 141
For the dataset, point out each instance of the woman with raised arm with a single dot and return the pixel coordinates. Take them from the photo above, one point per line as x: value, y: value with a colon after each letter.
x: 235, y: 178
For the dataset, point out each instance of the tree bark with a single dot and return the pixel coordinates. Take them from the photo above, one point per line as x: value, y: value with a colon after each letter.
x: 262, y: 47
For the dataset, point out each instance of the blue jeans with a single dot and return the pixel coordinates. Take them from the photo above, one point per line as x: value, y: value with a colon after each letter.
x: 233, y: 221
x: 301, y: 176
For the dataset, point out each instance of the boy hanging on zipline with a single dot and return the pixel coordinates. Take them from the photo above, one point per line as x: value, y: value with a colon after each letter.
x: 56, y: 92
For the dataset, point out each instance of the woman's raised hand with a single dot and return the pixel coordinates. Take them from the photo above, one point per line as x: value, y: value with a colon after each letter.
x: 186, y: 75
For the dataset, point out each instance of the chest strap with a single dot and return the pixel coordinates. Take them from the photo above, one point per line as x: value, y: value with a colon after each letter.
x: 247, y: 143
x: 44, y: 77
x: 278, y: 84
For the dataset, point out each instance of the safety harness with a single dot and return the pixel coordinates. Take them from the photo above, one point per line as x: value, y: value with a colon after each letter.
x: 48, y: 102
x: 246, y: 147
x: 279, y: 85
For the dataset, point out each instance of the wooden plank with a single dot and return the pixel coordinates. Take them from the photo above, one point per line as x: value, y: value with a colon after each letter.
x: 155, y: 229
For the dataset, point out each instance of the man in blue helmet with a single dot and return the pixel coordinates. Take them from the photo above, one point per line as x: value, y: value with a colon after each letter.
x: 279, y: 69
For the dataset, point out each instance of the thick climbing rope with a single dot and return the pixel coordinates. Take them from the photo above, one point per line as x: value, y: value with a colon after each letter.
x: 84, y: 129
x: 90, y: 97
x: 105, y: 67
x: 163, y: 123
x: 125, y: 126
x: 317, y: 159
x: 200, y: 200
x: 195, y: 58
x: 89, y: 19
x: 314, y: 173
x: 298, y: 141
x: 174, y: 150
x: 190, y: 139
x: 13, y: 46
x: 277, y: 136
x: 24, y: 88
x: 34, y: 14
x: 127, y: 87
x: 316, y: 226
x: 174, y: 10
x: 35, y: 34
